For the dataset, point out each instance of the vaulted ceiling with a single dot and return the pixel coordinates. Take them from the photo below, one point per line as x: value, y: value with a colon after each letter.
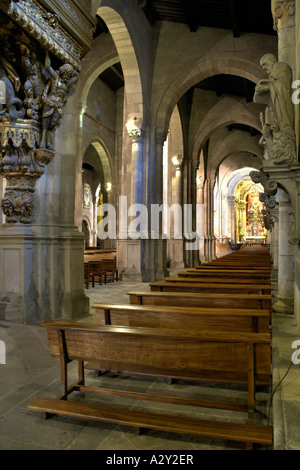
x: 239, y: 16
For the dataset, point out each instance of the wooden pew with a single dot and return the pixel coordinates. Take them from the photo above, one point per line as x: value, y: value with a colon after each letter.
x: 235, y: 267
x: 206, y: 356
x: 245, y: 274
x: 252, y: 301
x: 210, y: 288
x: 217, y: 319
x: 213, y: 280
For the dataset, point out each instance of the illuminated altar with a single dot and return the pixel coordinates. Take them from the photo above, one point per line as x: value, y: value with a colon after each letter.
x: 249, y: 218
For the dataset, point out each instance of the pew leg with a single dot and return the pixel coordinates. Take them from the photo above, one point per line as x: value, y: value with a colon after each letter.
x: 81, y: 378
x: 138, y: 431
x: 170, y: 381
x: 251, y: 382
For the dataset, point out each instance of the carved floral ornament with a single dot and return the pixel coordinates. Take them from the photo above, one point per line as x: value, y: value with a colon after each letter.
x: 32, y: 101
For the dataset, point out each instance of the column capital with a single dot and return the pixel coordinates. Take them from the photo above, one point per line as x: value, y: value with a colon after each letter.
x: 283, y: 12
x: 134, y: 128
x: 161, y: 136
x: 177, y: 161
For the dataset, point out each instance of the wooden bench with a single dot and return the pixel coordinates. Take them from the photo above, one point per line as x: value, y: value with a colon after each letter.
x: 217, y: 319
x: 245, y: 301
x: 208, y: 356
x: 223, y: 273
x: 210, y: 288
x: 235, y: 267
x: 213, y: 280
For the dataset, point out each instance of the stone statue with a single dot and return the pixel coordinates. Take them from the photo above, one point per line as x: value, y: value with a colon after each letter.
x: 33, y: 85
x: 13, y: 108
x: 278, y: 121
x: 54, y: 98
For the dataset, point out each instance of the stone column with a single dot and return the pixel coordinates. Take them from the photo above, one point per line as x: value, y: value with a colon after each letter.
x: 284, y: 23
x: 286, y: 256
x: 200, y: 218
x: 154, y: 247
x: 274, y: 239
x: 175, y: 245
x: 130, y: 250
x: 231, y: 218
x: 209, y: 237
x: 191, y: 241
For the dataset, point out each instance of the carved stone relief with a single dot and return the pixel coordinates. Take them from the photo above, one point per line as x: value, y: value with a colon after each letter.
x: 35, y: 93
x: 278, y: 134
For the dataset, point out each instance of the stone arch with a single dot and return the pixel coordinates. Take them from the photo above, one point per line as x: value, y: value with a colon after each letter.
x: 104, y: 156
x: 115, y: 17
x: 236, y: 177
x: 227, y: 111
x: 189, y: 75
x: 94, y: 64
x: 236, y: 141
x: 86, y: 229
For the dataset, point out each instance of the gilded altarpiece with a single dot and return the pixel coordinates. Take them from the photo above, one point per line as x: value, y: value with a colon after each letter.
x: 250, y: 223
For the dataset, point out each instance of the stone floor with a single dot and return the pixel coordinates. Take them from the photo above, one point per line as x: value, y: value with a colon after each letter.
x: 30, y: 371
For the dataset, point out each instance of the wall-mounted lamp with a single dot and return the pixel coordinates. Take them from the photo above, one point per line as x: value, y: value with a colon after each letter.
x: 108, y: 187
x: 133, y: 126
x: 198, y: 180
x: 82, y: 112
x: 177, y: 160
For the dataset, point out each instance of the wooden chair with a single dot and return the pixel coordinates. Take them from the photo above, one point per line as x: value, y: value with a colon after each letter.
x: 88, y: 276
x: 96, y: 268
x: 110, y: 270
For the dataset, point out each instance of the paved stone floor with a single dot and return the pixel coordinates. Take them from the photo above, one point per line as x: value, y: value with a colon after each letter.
x: 30, y: 371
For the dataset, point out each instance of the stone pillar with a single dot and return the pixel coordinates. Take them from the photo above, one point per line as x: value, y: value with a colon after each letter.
x: 175, y: 245
x: 200, y: 218
x: 42, y: 261
x: 154, y: 248
x: 231, y: 218
x: 191, y: 241
x: 284, y: 23
x: 130, y: 250
x: 209, y: 237
x: 274, y: 239
x: 286, y: 256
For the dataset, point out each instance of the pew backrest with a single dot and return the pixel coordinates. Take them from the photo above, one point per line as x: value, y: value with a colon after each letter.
x: 239, y: 320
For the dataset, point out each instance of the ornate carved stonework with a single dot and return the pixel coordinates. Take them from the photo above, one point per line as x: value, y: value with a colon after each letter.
x: 34, y: 93
x: 260, y: 176
x: 45, y: 27
x: 267, y: 200
x: 283, y: 12
x: 268, y: 219
x: 278, y: 134
x: 21, y: 165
